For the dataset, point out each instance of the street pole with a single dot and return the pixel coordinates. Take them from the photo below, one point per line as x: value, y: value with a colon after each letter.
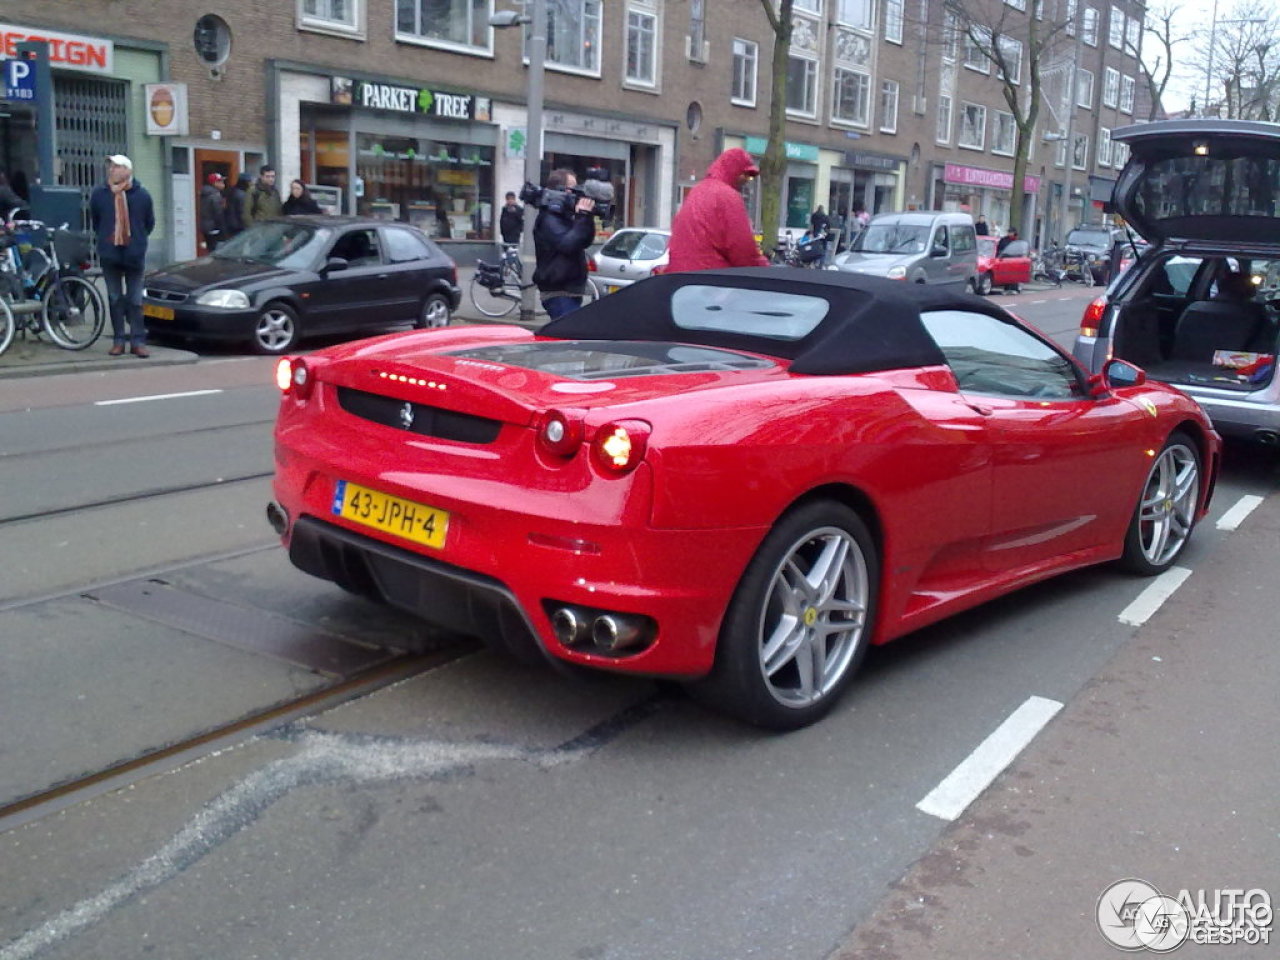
x: 1069, y: 153
x: 533, y: 144
x: 1208, y: 70
x: 37, y: 53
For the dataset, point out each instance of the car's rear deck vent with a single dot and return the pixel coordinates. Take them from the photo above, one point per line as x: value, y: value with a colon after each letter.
x: 418, y: 417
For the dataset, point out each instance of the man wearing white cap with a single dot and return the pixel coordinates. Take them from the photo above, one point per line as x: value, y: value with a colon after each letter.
x: 123, y: 216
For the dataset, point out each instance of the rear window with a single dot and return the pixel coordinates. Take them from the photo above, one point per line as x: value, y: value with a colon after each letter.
x: 635, y: 245
x: 771, y: 315
x: 1089, y: 238
x: 1192, y: 186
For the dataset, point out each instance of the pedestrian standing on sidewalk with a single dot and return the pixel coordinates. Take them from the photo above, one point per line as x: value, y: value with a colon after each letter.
x: 263, y: 199
x: 122, y: 217
x: 213, y: 215
x: 235, y: 206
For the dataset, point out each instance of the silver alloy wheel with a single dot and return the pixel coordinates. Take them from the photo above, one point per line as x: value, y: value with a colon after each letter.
x: 275, y: 329
x: 1168, y: 508
x: 435, y: 313
x: 813, y: 617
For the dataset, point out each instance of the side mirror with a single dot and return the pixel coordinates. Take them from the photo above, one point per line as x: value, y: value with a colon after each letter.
x: 334, y: 264
x: 1122, y: 373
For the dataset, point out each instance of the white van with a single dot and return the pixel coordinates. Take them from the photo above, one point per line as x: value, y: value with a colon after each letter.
x: 919, y: 247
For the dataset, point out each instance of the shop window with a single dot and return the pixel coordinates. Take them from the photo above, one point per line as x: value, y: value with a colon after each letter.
x: 345, y: 16
x: 745, y: 59
x: 455, y: 24
x: 799, y: 202
x: 573, y: 35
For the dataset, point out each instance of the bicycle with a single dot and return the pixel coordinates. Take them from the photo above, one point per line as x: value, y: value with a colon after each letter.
x: 498, y: 288
x: 45, y: 279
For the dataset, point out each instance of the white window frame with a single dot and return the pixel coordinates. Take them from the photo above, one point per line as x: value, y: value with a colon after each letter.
x: 942, y: 128
x: 593, y: 42
x: 646, y: 11
x: 1084, y: 81
x: 808, y: 6
x: 951, y: 38
x: 1060, y: 154
x: 1110, y: 87
x: 1132, y: 36
x: 1104, y: 146
x: 889, y: 96
x: 982, y: 63
x: 1115, y: 28
x: 697, y: 36
x: 1072, y: 8
x: 859, y: 14
x: 1080, y: 152
x: 483, y: 50
x: 1119, y: 154
x: 1089, y: 26
x: 1128, y: 89
x: 863, y: 102
x: 893, y: 20
x: 1008, y: 44
x: 1016, y: 4
x: 1004, y: 121
x: 320, y: 23
x: 747, y: 54
x: 811, y: 83
x: 979, y: 110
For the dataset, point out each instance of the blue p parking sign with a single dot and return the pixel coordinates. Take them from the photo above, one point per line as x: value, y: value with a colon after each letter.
x: 19, y: 80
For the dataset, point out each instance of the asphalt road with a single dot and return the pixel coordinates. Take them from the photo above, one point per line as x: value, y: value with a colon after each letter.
x: 478, y: 808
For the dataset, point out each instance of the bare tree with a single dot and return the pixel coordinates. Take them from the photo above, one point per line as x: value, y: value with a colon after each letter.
x: 773, y: 169
x: 1238, y: 56
x: 1158, y: 53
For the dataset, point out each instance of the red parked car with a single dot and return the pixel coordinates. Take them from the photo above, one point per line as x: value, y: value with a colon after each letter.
x: 738, y: 478
x: 1007, y: 270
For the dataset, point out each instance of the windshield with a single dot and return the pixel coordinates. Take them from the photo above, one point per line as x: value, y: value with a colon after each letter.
x: 986, y: 246
x: 277, y: 242
x: 892, y: 238
x: 635, y: 245
x: 1089, y: 238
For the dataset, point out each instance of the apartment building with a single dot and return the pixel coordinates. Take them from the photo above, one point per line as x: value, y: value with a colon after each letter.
x: 415, y: 109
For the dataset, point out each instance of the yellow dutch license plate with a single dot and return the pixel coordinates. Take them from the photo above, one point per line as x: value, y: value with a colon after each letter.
x: 160, y: 313
x: 381, y: 511
x: 611, y: 289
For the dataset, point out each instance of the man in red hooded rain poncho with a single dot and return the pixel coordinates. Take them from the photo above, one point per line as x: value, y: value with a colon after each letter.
x: 711, y: 229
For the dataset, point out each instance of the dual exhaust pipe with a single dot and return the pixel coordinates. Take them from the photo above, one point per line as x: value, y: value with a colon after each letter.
x: 609, y: 632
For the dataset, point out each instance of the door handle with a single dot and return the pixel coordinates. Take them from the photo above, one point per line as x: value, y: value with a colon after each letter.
x: 979, y: 408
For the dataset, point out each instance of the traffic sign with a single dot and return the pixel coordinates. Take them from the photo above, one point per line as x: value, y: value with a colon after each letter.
x: 19, y: 80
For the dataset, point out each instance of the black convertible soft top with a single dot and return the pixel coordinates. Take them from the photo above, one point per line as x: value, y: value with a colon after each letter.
x: 870, y: 323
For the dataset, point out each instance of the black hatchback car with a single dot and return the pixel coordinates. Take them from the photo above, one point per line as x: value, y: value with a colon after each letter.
x: 293, y: 277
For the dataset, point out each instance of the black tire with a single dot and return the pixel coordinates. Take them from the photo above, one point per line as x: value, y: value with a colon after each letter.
x: 8, y: 327
x: 434, y: 313
x: 1165, y: 515
x: 73, y: 313
x: 775, y: 605
x: 275, y: 330
x: 982, y: 285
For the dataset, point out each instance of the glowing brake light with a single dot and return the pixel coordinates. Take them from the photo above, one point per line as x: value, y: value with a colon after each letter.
x: 294, y: 377
x: 619, y: 447
x: 1092, y: 318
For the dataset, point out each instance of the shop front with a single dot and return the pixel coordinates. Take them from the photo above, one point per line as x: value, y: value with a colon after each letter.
x: 866, y: 178
x: 976, y: 190
x: 801, y: 186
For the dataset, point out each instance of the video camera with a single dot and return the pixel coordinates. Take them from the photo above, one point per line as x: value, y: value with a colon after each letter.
x: 596, y: 186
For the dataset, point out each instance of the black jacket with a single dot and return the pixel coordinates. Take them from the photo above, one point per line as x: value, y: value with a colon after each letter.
x: 213, y: 215
x: 142, y: 220
x: 303, y: 204
x: 560, y: 245
x: 233, y: 215
x: 511, y: 223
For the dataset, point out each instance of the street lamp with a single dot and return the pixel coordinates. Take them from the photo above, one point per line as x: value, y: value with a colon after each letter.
x: 536, y: 18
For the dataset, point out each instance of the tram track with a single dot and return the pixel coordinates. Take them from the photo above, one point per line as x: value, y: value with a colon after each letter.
x: 87, y: 446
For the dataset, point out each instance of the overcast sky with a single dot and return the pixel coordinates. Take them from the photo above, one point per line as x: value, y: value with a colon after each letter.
x: 1193, y: 15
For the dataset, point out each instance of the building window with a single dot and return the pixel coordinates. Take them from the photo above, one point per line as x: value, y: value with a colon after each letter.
x: 943, y: 133
x: 1080, y: 151
x: 856, y: 13
x: 973, y: 126
x: 812, y: 6
x: 950, y: 37
x: 1110, y: 87
x: 1126, y: 94
x: 893, y: 21
x: 851, y: 101
x: 641, y: 47
x: 1011, y: 51
x: 802, y: 86
x: 889, y: 106
x: 745, y: 59
x: 1084, y: 89
x: 1016, y: 4
x: 1089, y: 26
x: 573, y: 35
x: 1104, y: 147
x: 974, y: 57
x: 1072, y: 6
x: 343, y: 15
x: 457, y: 24
x: 1119, y: 154
x: 1005, y: 136
x: 1060, y: 154
x: 697, y: 31
x: 1115, y: 35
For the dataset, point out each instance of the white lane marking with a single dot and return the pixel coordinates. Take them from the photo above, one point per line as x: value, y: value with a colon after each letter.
x: 1236, y: 515
x: 1151, y: 599
x: 1034, y: 302
x: 976, y: 771
x: 157, y: 396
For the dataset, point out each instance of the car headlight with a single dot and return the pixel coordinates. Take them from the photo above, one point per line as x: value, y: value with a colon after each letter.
x: 896, y: 273
x: 226, y: 299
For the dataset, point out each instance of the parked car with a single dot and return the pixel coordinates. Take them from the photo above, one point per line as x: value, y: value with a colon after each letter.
x: 629, y: 255
x: 922, y: 247
x: 744, y: 484
x: 1200, y: 308
x: 1009, y: 269
x: 294, y: 277
x: 1091, y: 245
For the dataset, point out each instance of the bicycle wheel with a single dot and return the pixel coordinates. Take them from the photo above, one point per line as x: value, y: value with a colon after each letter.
x: 496, y: 302
x: 7, y: 326
x: 73, y: 313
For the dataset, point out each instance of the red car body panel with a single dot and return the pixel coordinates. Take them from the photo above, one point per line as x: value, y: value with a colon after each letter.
x: 967, y: 497
x: 1005, y: 271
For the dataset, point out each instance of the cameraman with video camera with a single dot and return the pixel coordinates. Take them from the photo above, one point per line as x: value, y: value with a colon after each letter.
x: 562, y: 232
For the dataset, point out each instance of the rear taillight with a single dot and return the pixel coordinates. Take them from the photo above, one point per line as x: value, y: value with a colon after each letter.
x: 294, y: 377
x: 619, y: 447
x: 560, y: 432
x: 1092, y: 318
x: 591, y: 265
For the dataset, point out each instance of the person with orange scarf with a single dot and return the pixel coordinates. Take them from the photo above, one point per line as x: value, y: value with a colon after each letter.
x: 123, y: 216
